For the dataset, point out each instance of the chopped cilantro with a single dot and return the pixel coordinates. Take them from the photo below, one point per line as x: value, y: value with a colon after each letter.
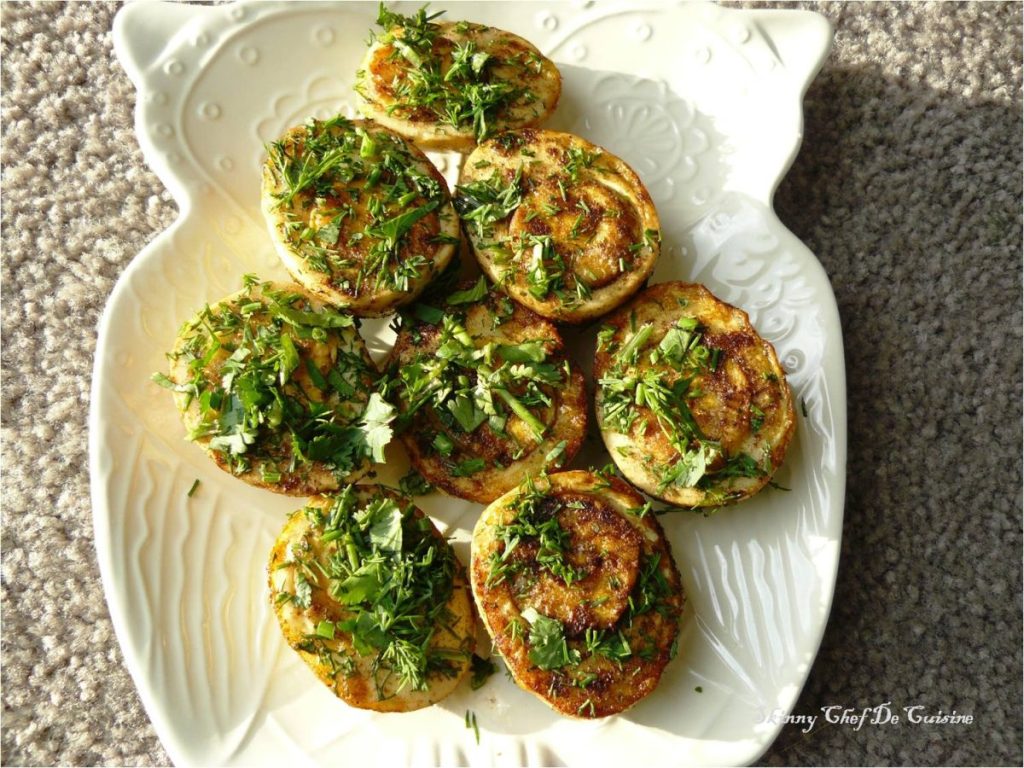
x: 477, y: 292
x: 391, y: 230
x: 427, y: 313
x: 378, y: 415
x: 548, y: 647
x: 545, y: 270
x: 303, y: 591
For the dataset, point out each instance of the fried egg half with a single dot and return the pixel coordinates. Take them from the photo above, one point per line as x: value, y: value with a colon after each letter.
x: 448, y: 85
x: 692, y: 403
x: 575, y: 582
x: 372, y: 597
x: 273, y: 384
x: 484, y: 392
x: 563, y: 226
x: 358, y: 215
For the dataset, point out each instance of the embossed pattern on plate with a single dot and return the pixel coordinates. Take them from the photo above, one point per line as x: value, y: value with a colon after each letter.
x: 704, y: 102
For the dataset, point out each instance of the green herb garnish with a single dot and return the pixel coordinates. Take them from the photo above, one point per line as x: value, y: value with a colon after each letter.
x: 486, y: 201
x: 331, y: 169
x: 471, y: 723
x: 548, y: 647
x: 482, y: 669
x: 579, y: 159
x: 633, y: 393
x: 393, y: 579
x: 477, y: 292
x: 756, y: 418
x: 443, y: 444
x: 557, y: 454
x: 468, y: 467
x: 463, y: 89
x: 473, y: 383
x: 250, y: 406
x: 611, y: 645
x: 374, y: 425
x: 534, y: 518
x: 414, y: 484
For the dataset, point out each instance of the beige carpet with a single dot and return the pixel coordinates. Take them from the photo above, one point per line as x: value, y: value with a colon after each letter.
x: 908, y: 188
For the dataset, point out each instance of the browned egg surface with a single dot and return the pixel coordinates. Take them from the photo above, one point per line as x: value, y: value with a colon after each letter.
x: 390, y: 645
x: 485, y: 395
x: 448, y: 85
x: 602, y: 547
x: 563, y: 226
x: 272, y: 383
x: 700, y: 426
x: 576, y: 584
x: 358, y: 215
x: 594, y: 224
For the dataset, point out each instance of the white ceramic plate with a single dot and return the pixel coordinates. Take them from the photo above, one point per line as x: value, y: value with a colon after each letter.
x: 705, y: 104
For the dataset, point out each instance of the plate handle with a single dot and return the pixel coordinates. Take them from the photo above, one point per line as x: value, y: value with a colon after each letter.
x: 143, y: 30
x: 802, y: 38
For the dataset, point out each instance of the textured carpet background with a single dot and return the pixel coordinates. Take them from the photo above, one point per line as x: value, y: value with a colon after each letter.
x: 908, y: 188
